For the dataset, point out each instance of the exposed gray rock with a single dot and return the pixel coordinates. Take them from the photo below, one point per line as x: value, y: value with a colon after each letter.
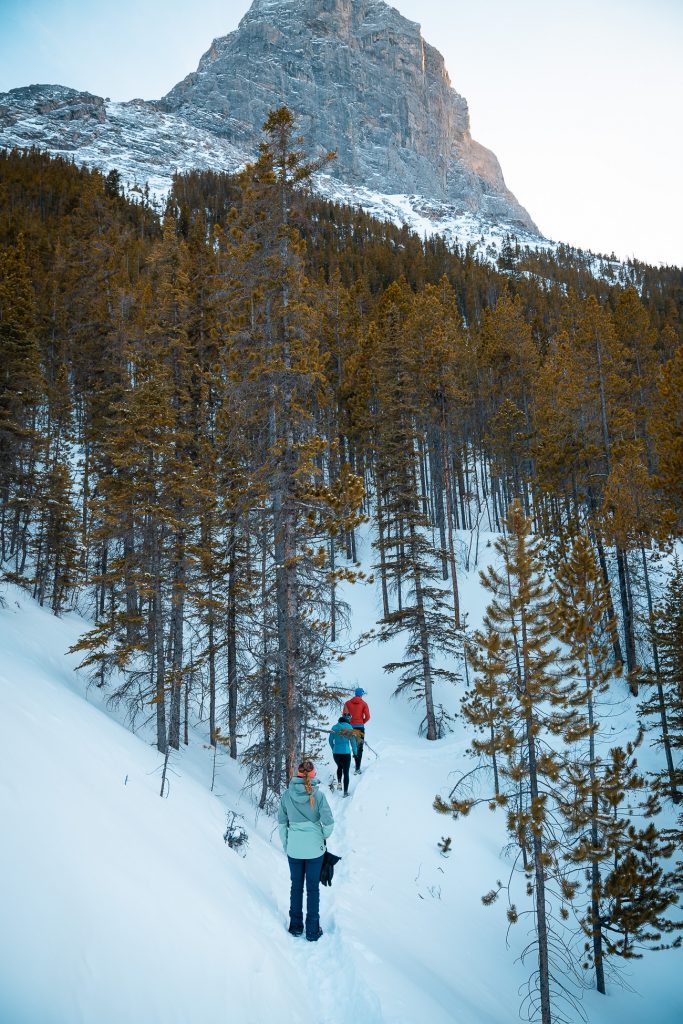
x: 146, y: 145
x: 51, y: 113
x: 362, y: 81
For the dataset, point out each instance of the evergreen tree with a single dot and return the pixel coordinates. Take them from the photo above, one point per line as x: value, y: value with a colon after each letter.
x: 664, y: 703
x: 145, y: 506
x: 408, y: 554
x: 508, y: 363
x: 581, y: 620
x: 638, y: 893
x: 22, y: 388
x: 520, y: 699
x: 666, y: 424
x: 275, y: 356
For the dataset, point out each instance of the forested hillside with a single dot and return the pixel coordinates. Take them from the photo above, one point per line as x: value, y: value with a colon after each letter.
x: 197, y: 413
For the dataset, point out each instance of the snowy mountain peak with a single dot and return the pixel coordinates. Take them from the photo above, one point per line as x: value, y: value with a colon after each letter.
x: 363, y: 82
x: 360, y: 79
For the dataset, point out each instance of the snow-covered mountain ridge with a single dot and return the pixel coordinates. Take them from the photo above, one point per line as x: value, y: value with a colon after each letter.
x: 360, y: 80
x: 146, y: 146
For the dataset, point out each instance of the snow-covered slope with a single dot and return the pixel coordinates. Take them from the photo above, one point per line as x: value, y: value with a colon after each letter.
x: 148, y: 146
x: 119, y: 907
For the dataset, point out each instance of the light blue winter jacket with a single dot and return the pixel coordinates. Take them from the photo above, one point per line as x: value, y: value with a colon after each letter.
x: 304, y: 829
x: 342, y: 739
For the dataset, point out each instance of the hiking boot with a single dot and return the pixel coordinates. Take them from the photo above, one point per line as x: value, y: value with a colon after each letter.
x: 345, y: 795
x: 296, y: 930
x: 357, y: 771
x: 339, y: 785
x: 314, y: 938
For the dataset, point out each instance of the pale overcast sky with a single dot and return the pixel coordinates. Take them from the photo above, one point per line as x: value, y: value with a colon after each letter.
x: 580, y: 101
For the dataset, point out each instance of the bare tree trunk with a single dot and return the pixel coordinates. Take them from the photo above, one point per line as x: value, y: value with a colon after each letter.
x: 232, y: 645
x: 290, y: 646
x: 270, y: 718
x: 424, y: 495
x: 157, y: 642
x: 449, y: 517
x: 132, y: 600
x: 382, y: 562
x: 596, y: 923
x: 333, y: 593
x: 188, y: 682
x: 595, y: 534
x: 666, y: 739
x: 461, y: 493
x: 211, y: 652
x: 424, y: 639
x: 627, y: 616
x: 539, y: 885
x: 100, y: 599
x: 177, y: 634
x: 536, y: 842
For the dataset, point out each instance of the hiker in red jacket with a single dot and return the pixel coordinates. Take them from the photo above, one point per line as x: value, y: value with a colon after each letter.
x: 360, y: 714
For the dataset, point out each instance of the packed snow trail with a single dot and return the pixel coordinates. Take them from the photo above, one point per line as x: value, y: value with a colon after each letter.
x: 119, y: 907
x: 383, y: 906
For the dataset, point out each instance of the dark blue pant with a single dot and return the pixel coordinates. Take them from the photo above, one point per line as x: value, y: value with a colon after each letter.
x: 309, y: 870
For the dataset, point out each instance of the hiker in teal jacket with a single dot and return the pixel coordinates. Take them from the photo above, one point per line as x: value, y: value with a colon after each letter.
x: 343, y: 743
x: 305, y: 821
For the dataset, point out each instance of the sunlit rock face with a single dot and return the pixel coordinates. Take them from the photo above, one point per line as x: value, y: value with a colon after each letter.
x: 362, y: 81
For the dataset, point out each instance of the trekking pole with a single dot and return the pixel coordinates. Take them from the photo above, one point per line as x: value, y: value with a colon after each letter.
x: 371, y: 749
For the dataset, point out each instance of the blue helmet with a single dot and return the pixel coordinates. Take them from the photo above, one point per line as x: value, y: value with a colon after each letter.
x: 359, y: 691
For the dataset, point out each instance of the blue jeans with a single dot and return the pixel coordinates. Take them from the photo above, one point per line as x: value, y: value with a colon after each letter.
x: 310, y: 871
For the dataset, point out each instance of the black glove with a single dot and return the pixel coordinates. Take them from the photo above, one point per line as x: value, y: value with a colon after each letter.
x: 327, y: 869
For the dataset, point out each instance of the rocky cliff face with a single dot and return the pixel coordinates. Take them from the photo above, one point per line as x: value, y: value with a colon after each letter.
x: 360, y: 80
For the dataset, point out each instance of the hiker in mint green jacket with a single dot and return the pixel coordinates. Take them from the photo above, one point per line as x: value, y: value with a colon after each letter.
x: 305, y: 821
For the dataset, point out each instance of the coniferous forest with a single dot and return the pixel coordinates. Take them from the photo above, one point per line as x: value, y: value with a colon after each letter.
x: 200, y: 408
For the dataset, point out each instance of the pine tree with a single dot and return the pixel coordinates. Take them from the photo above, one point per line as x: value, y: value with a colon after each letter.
x: 508, y: 363
x: 634, y: 330
x: 145, y: 505
x: 519, y: 697
x: 275, y: 359
x: 434, y: 333
x: 409, y: 558
x: 485, y: 706
x: 666, y: 424
x: 665, y: 701
x: 588, y: 424
x: 604, y: 840
x: 637, y: 892
x: 22, y: 389
x: 581, y: 621
x: 54, y: 546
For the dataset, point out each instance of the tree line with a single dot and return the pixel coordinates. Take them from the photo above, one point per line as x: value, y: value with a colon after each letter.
x: 199, y: 408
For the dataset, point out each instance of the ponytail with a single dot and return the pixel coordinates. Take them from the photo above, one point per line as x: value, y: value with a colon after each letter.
x: 307, y: 771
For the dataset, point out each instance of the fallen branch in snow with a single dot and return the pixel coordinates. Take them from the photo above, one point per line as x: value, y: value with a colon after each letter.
x: 235, y: 835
